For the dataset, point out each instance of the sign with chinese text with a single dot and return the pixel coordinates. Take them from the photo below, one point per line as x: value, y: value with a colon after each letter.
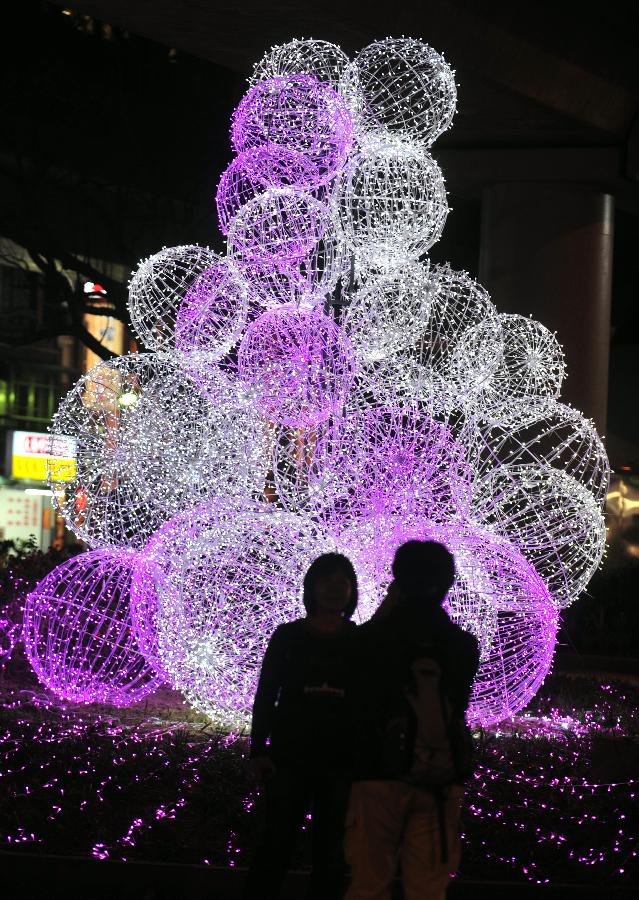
x: 30, y: 453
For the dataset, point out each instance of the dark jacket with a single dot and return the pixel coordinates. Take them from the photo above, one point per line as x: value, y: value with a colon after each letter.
x: 302, y: 700
x: 384, y: 645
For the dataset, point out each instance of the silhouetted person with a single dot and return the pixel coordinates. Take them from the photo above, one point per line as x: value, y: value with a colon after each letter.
x: 413, y: 748
x: 298, y: 745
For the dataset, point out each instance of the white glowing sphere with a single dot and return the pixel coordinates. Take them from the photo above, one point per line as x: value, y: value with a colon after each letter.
x: 401, y: 87
x: 157, y: 290
x: 211, y: 588
x: 322, y: 59
x: 392, y: 203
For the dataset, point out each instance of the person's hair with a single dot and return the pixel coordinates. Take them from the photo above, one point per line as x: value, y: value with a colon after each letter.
x: 424, y: 570
x: 325, y: 565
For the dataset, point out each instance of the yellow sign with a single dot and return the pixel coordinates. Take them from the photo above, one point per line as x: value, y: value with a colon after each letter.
x: 34, y: 468
x: 34, y: 455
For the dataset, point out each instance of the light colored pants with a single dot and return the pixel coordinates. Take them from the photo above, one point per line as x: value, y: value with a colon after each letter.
x: 389, y: 821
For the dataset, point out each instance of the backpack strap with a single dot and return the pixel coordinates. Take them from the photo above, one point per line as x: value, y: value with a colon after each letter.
x: 441, y: 795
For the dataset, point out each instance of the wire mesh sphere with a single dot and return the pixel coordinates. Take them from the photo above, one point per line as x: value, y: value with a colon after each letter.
x: 457, y: 352
x: 401, y: 87
x: 322, y: 59
x: 392, y: 204
x: 180, y: 447
x: 497, y: 595
x: 305, y: 282
x: 299, y: 364
x: 278, y: 228
x: 97, y: 493
x: 213, y: 313
x: 210, y: 607
x: 532, y: 363
x: 254, y: 171
x: 519, y: 660
x: 388, y: 312
x: 543, y: 432
x: 78, y: 632
x: 157, y: 288
x: 372, y: 461
x: 555, y: 522
x: 300, y: 113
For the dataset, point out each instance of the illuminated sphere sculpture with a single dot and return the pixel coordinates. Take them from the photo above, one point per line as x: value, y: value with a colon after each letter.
x: 497, y: 595
x: 532, y: 363
x: 303, y: 281
x: 555, y: 522
x: 402, y: 87
x: 300, y: 113
x: 102, y: 502
x: 277, y: 228
x: 543, y: 432
x: 322, y: 59
x: 393, y: 204
x: 236, y: 575
x: 78, y: 632
x: 457, y: 352
x: 158, y: 287
x: 325, y: 366
x: 180, y: 447
x: 388, y: 312
x: 257, y: 169
x: 213, y: 313
x: 518, y: 660
x: 373, y: 461
x: 299, y: 365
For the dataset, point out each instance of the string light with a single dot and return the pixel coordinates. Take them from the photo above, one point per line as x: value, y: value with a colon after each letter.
x: 401, y: 87
x: 158, y: 287
x: 324, y: 366
x: 322, y: 59
x: 78, y: 635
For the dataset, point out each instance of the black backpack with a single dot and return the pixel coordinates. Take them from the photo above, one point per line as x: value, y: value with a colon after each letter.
x: 425, y: 741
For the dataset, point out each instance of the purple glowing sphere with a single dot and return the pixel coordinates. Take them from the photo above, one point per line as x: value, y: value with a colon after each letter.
x: 299, y: 363
x: 517, y: 662
x: 373, y: 461
x: 301, y: 281
x: 78, y: 632
x: 278, y: 228
x: 257, y: 169
x: 497, y: 595
x: 213, y: 313
x: 211, y: 587
x: 300, y: 113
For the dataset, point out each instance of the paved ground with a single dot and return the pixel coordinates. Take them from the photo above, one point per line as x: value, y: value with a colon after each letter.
x: 34, y: 877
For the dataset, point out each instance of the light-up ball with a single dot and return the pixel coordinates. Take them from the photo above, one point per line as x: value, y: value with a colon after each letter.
x: 78, y: 631
x: 392, y: 204
x: 299, y: 365
x: 300, y: 113
x: 213, y: 586
x: 158, y: 287
x: 401, y: 87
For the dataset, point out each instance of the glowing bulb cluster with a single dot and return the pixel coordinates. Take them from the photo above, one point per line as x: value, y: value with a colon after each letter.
x: 321, y: 386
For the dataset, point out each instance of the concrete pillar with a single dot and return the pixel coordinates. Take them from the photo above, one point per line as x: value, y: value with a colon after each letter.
x: 546, y: 251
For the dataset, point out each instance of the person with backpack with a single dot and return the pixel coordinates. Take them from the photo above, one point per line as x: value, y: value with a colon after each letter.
x: 298, y: 749
x: 413, y: 749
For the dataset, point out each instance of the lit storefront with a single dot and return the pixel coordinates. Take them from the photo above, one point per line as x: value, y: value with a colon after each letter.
x: 26, y: 510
